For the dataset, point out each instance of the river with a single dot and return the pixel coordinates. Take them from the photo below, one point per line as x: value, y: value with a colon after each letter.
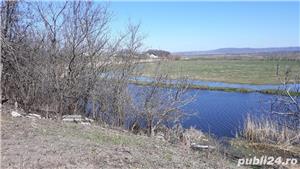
x: 222, y: 114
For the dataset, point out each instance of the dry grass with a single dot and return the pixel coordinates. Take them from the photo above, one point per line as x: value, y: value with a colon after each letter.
x: 266, y: 137
x: 52, y: 144
x: 267, y: 131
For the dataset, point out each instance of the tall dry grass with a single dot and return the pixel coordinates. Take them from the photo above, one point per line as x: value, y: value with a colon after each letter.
x: 269, y: 132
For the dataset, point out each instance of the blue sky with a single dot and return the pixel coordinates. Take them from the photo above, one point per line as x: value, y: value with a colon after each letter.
x: 186, y: 26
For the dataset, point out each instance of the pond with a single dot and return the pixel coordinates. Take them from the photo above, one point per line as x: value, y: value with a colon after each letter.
x: 221, y: 113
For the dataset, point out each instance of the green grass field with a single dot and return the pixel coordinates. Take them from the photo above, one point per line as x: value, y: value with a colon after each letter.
x: 250, y: 71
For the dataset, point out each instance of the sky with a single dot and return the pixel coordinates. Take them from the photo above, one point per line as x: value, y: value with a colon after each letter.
x: 190, y: 26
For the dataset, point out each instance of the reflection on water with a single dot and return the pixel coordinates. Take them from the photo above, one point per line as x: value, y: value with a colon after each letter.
x: 216, y: 112
x: 220, y: 113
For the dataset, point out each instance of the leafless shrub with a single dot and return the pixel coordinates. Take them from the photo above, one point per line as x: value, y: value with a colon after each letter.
x: 280, y: 126
x: 62, y: 55
x: 162, y: 102
x: 63, y: 58
x: 286, y: 108
x: 193, y: 135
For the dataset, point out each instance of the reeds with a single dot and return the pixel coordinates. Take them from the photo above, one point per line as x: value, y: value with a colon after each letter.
x: 269, y: 131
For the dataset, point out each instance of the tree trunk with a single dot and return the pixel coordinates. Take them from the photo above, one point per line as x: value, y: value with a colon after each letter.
x: 149, y: 126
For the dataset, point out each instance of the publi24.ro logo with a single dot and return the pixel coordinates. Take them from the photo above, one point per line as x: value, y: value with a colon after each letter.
x: 267, y: 160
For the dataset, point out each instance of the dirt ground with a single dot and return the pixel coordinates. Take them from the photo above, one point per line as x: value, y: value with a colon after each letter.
x: 42, y: 143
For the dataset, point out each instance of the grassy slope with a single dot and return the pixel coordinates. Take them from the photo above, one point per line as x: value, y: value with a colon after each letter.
x: 251, y: 71
x: 27, y: 143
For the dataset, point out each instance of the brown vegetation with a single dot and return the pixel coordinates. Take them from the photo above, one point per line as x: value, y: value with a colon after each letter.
x: 28, y: 143
x: 59, y: 57
x: 269, y: 132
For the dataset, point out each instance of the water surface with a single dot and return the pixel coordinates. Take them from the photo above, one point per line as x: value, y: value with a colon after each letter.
x: 223, y: 113
x: 217, y: 112
x: 292, y: 87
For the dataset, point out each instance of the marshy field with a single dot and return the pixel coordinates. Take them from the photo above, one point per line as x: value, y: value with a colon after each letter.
x: 245, y: 71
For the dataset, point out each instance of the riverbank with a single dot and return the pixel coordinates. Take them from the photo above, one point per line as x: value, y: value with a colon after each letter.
x: 44, y: 143
x: 267, y: 139
x: 225, y: 89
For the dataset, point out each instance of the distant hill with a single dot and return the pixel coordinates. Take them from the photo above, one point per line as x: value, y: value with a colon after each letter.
x: 239, y: 51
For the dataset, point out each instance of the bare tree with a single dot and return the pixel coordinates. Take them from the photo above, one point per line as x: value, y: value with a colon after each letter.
x: 162, y: 102
x: 286, y: 108
x: 114, y: 96
x: 60, y: 61
x: 17, y: 79
x: 63, y: 58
